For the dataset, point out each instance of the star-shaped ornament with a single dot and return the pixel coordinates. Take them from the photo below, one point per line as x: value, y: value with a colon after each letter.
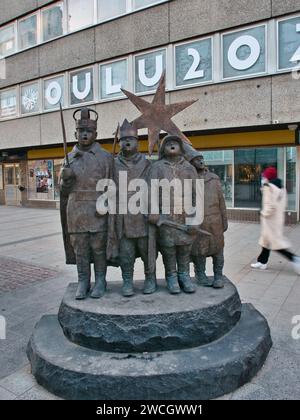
x: 156, y: 116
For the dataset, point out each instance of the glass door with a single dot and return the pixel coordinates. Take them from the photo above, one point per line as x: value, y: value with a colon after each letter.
x: 11, y: 183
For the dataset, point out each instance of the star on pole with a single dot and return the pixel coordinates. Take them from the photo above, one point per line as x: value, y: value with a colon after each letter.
x: 156, y: 116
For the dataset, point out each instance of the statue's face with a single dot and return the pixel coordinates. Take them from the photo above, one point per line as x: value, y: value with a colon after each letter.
x: 129, y: 146
x: 86, y: 136
x: 199, y: 163
x: 172, y: 149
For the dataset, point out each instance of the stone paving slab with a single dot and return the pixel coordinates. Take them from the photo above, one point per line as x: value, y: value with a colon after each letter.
x: 6, y: 395
x: 15, y: 274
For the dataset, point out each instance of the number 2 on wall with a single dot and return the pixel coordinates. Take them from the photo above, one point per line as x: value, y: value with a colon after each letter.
x: 296, y: 56
x: 193, y: 73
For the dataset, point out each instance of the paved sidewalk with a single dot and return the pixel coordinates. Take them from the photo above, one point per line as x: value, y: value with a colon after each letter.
x: 34, y: 237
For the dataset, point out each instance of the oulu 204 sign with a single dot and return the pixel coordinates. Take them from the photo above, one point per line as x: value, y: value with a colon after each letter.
x: 242, y: 53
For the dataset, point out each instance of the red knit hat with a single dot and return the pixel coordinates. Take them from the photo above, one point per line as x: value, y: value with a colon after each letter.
x: 270, y: 173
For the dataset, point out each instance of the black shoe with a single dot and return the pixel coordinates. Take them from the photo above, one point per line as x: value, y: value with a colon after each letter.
x: 185, y: 282
x: 173, y: 286
x: 99, y: 288
x: 150, y: 285
x: 83, y: 289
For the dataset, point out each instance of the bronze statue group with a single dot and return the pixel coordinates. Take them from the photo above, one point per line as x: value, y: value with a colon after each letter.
x: 98, y: 240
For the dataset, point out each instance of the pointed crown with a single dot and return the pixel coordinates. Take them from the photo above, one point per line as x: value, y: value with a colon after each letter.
x: 127, y: 130
x: 85, y: 120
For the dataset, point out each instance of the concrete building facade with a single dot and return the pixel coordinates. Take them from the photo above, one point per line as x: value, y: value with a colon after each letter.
x: 239, y: 58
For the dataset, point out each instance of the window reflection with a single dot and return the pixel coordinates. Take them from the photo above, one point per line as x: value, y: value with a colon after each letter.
x: 8, y: 103
x: 138, y: 4
x: 220, y: 162
x: 52, y: 21
x: 110, y: 9
x: 241, y: 170
x: 291, y: 171
x: 28, y: 32
x: 81, y: 14
x: 7, y: 40
x: 249, y: 165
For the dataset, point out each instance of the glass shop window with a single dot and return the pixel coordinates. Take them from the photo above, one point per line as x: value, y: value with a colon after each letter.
x: 1, y: 178
x: 57, y: 169
x: 41, y: 180
x: 291, y: 171
x: 28, y: 32
x: 52, y: 22
x: 110, y: 9
x: 221, y: 163
x: 249, y: 165
x: 7, y: 40
x: 80, y: 14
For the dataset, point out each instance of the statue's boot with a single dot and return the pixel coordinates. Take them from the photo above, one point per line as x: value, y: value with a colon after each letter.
x: 127, y: 289
x: 84, y: 280
x: 184, y: 279
x: 185, y: 282
x: 200, y: 272
x: 172, y: 283
x: 150, y: 284
x: 100, y: 285
x: 218, y: 263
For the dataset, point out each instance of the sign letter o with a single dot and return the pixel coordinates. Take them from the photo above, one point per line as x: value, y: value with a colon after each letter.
x: 53, y: 93
x: 254, y: 46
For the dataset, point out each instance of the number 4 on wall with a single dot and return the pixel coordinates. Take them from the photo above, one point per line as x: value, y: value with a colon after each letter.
x: 296, y: 56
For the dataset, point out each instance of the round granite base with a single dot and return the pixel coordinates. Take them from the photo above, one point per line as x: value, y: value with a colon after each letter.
x: 149, y: 323
x: 199, y: 373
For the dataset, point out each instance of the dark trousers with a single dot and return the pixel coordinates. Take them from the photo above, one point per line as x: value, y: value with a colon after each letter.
x: 87, y: 247
x: 129, y: 248
x: 265, y: 255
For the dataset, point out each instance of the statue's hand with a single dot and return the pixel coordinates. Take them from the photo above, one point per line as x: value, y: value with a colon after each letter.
x: 67, y: 174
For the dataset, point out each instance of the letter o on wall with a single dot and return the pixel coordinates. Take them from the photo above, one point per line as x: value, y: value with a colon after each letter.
x: 55, y: 87
x: 254, y: 46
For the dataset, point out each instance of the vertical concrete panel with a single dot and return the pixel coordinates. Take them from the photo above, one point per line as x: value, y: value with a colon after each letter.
x: 138, y: 31
x: 281, y: 7
x: 236, y: 104
x: 190, y: 18
x: 10, y: 9
x: 113, y: 112
x: 21, y: 67
x: 286, y: 98
x: 22, y: 132
x: 68, y: 52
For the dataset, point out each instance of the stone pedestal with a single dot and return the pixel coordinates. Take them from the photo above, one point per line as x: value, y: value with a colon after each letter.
x: 159, y: 346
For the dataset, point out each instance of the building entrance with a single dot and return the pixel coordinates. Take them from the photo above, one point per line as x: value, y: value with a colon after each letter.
x: 11, y: 183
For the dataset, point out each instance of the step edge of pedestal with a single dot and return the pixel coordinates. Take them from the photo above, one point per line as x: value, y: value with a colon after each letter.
x: 40, y: 364
x: 76, y: 325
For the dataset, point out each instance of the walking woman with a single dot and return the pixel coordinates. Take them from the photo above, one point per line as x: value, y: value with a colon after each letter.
x: 273, y: 221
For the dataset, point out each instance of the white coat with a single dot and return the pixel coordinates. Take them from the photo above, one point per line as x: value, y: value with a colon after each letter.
x: 273, y: 218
